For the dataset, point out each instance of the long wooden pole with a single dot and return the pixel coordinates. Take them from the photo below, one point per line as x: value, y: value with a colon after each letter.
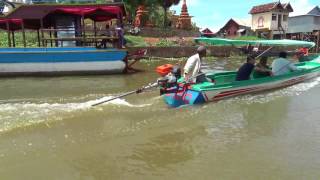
x: 23, y: 35
x: 8, y: 32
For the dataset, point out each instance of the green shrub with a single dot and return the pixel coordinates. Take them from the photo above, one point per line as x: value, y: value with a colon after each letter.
x: 135, y: 41
x: 248, y: 38
x: 31, y: 39
x: 166, y: 43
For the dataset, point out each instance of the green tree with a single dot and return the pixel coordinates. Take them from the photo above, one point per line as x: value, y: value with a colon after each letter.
x: 152, y: 6
x: 166, y: 4
x: 132, y: 5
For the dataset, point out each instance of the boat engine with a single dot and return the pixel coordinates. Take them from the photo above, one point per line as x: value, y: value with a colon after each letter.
x: 170, y: 74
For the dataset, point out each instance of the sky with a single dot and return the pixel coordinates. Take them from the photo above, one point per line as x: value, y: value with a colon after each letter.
x: 214, y: 14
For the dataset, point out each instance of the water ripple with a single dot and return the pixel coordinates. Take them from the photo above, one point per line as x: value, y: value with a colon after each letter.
x: 15, y: 114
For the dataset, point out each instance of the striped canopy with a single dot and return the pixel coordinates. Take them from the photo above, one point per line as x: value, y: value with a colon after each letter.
x: 284, y: 42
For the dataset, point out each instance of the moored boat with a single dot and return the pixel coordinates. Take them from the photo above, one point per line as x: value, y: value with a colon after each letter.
x: 75, y: 47
x: 61, y: 61
x: 223, y: 84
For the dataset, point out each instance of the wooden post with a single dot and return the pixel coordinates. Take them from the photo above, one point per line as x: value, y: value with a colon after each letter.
x: 83, y: 30
x: 41, y: 29
x: 318, y: 42
x: 38, y: 33
x: 51, y: 37
x: 8, y: 32
x: 95, y: 32
x: 13, y: 39
x: 23, y: 35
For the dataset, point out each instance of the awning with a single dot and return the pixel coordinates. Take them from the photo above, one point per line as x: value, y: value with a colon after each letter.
x: 241, y: 30
x: 14, y: 24
x: 32, y: 14
x: 95, y: 14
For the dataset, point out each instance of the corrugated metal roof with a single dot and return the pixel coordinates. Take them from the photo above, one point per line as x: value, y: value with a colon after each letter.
x: 315, y: 11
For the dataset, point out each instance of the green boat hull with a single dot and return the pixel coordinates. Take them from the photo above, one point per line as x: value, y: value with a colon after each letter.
x: 225, y: 86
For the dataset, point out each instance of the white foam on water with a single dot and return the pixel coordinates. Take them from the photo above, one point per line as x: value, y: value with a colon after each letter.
x: 20, y: 114
x: 264, y: 97
x: 120, y: 102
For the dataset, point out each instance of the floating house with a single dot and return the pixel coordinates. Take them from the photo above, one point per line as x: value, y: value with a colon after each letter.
x: 306, y: 27
x: 66, y: 45
x: 271, y: 20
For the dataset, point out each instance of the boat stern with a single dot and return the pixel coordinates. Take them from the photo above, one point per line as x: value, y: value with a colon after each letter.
x: 188, y: 97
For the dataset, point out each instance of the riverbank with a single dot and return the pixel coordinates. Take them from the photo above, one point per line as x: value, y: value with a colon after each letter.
x: 186, y: 51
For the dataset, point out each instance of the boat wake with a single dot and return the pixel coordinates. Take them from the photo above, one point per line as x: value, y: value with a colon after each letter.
x: 264, y: 97
x: 15, y: 114
x: 120, y: 102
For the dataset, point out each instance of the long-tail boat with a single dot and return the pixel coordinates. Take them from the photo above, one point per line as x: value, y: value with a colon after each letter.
x: 223, y: 84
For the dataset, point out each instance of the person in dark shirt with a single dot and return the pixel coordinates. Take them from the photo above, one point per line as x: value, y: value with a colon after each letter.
x: 246, y: 69
x: 262, y: 69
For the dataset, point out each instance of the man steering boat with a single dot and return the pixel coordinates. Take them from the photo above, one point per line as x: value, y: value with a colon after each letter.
x: 192, y: 69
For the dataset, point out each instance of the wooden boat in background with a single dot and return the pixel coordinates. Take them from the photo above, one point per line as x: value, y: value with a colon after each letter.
x: 72, y: 44
x: 61, y: 61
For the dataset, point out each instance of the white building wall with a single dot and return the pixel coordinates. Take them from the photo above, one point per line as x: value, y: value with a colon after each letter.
x: 268, y: 22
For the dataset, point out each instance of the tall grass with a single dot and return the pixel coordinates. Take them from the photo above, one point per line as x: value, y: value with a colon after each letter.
x: 31, y: 39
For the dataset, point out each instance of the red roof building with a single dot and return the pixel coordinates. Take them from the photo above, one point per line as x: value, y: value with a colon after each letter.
x: 271, y: 20
x: 270, y: 7
x: 207, y: 33
x: 234, y: 28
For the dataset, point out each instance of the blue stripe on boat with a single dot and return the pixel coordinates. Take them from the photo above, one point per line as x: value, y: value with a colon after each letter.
x: 54, y: 49
x: 58, y: 55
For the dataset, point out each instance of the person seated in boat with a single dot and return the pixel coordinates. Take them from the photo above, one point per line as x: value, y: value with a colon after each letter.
x: 262, y: 69
x: 246, y: 69
x: 192, y: 69
x: 282, y: 65
x: 300, y: 56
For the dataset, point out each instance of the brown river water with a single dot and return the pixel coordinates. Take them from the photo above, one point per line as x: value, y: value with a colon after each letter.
x: 49, y: 131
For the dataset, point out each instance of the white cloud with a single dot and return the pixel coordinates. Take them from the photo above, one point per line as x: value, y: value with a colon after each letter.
x: 300, y: 7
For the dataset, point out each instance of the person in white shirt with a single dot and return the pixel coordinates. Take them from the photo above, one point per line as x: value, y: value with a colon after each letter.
x: 282, y: 65
x: 193, y: 66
